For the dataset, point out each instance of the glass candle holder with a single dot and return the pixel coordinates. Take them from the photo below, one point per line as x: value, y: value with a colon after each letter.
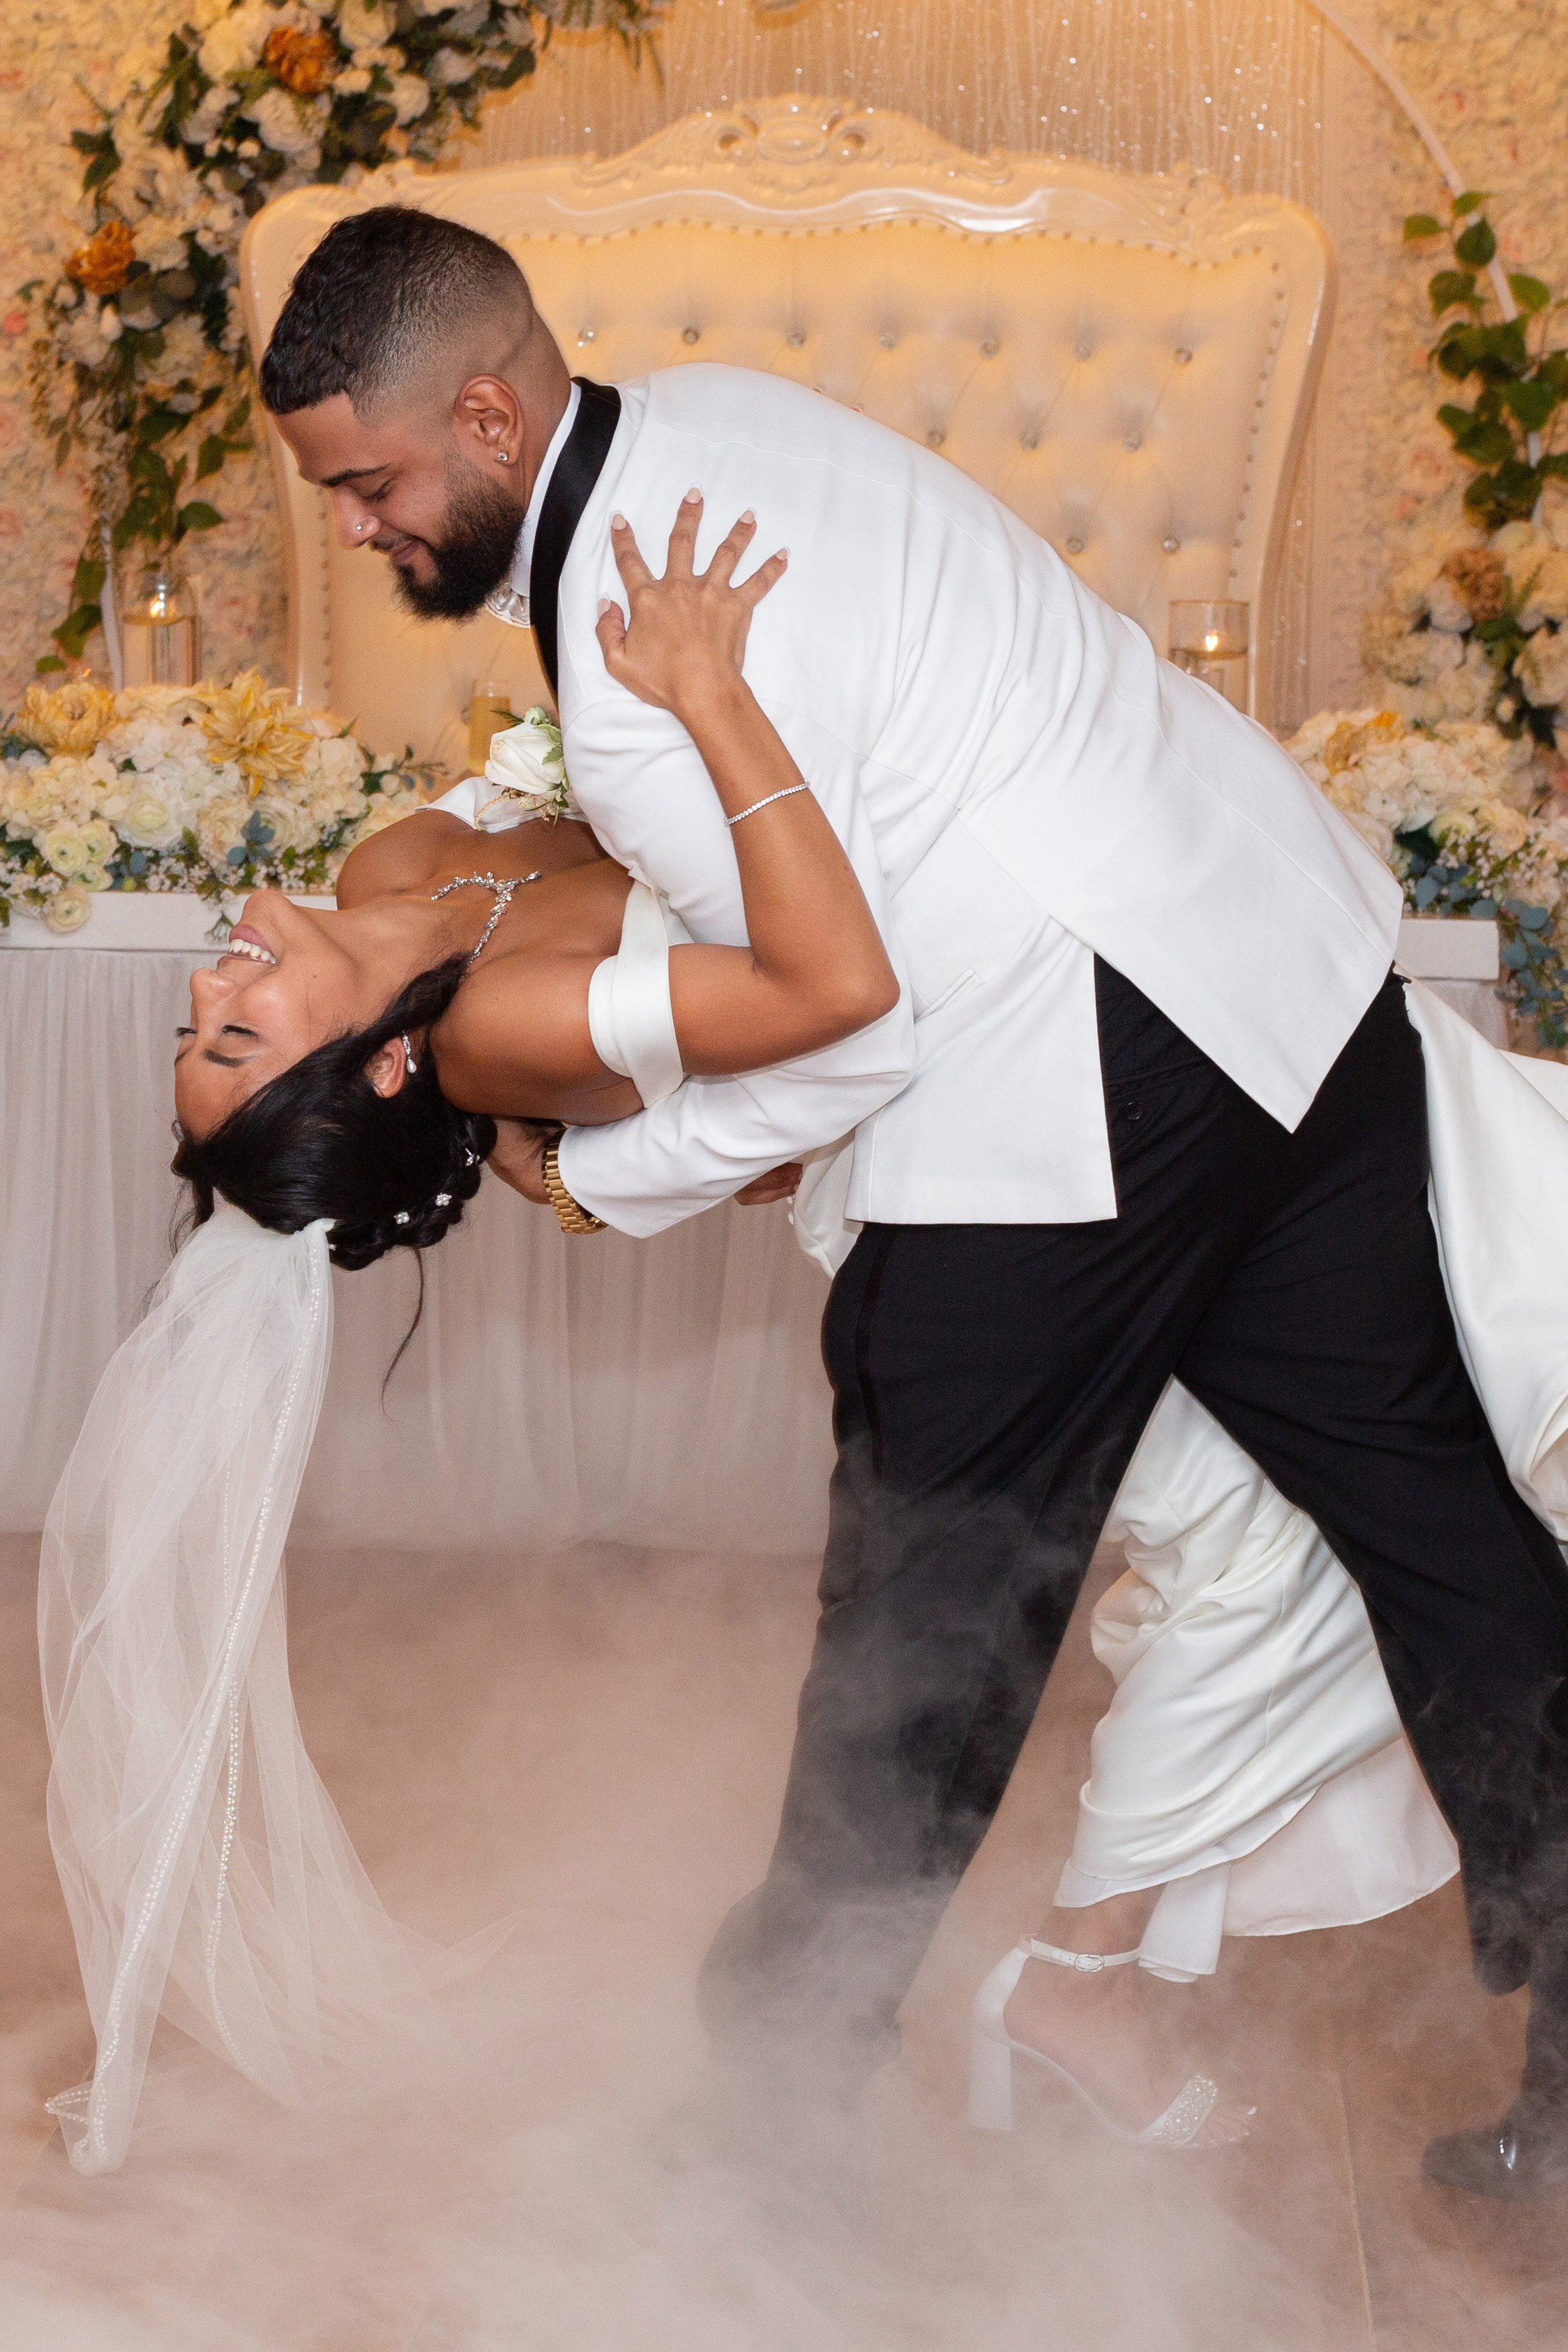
x: 160, y: 631
x: 1209, y: 640
x: 489, y: 710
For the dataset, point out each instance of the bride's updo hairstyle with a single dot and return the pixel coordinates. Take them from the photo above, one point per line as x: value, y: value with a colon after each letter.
x: 392, y: 1172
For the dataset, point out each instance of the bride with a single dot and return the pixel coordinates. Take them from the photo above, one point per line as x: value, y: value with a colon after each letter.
x: 351, y: 1065
x: 338, y: 1089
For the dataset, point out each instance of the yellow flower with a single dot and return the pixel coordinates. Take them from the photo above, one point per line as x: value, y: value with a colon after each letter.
x: 103, y: 264
x: 258, y: 728
x: 1347, y: 742
x: 303, y: 62
x: 70, y: 718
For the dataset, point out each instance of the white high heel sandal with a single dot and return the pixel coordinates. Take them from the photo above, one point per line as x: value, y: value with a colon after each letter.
x: 992, y: 2050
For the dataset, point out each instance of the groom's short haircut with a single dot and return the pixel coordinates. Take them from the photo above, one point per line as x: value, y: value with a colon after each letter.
x: 379, y: 299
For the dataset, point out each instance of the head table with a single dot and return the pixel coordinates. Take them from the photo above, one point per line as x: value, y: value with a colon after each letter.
x: 666, y: 1393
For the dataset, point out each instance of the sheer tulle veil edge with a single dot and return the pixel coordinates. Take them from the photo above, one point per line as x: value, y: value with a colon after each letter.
x: 206, y: 1872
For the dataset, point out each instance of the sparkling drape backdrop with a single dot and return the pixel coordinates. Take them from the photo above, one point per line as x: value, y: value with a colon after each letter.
x: 1255, y: 90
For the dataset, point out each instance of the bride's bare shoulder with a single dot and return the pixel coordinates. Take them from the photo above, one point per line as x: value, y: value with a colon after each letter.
x: 401, y: 857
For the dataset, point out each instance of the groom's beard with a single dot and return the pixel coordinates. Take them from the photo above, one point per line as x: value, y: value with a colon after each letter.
x: 474, y: 556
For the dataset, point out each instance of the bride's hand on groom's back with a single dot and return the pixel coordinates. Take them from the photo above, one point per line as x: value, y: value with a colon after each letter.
x: 683, y: 646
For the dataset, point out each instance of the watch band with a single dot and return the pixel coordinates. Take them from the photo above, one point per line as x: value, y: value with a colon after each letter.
x: 570, y: 1215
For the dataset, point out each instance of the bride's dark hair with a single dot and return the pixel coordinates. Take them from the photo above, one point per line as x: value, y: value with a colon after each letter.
x: 392, y: 1170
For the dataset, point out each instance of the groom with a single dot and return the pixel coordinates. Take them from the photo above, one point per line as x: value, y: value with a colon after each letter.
x: 1149, y: 1105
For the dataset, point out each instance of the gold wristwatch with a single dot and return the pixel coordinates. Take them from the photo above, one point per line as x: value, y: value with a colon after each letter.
x: 570, y: 1215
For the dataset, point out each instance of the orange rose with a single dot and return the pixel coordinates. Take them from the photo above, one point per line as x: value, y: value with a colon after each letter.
x: 103, y: 264
x: 303, y: 62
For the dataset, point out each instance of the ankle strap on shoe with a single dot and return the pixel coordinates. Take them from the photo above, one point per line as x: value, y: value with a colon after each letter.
x: 1088, y: 1964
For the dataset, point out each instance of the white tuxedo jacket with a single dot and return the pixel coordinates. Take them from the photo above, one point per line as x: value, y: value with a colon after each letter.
x: 1020, y: 783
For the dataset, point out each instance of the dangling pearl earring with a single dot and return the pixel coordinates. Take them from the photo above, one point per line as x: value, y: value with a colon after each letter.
x: 408, y: 1054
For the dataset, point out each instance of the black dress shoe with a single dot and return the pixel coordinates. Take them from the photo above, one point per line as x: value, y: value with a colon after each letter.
x: 1524, y: 2158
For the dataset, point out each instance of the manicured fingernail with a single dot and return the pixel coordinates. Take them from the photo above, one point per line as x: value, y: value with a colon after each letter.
x: 692, y: 498
x: 748, y: 515
x: 617, y: 522
x: 783, y: 555
x: 605, y: 606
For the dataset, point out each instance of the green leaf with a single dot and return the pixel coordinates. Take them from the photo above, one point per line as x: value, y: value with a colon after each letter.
x: 237, y: 417
x: 1470, y: 201
x: 1557, y: 467
x: 74, y: 631
x: 1529, y: 293
x: 1477, y: 246
x: 1531, y: 403
x: 1484, y: 444
x: 199, y: 515
x: 91, y: 572
x: 1421, y: 224
x: 1449, y: 287
x: 210, y: 456
x: 1552, y: 368
x: 47, y: 661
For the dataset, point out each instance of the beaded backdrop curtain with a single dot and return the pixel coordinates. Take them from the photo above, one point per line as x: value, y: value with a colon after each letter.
x: 1230, y: 87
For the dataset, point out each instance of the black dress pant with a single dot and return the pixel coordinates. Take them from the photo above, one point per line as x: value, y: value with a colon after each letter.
x: 990, y: 1383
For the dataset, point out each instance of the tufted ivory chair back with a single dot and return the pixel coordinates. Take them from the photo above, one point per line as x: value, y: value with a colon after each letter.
x: 1127, y: 363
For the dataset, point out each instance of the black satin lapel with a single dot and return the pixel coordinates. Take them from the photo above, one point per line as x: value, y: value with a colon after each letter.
x: 577, y: 470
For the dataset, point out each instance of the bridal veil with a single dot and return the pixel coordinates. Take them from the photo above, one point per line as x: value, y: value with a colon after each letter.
x: 204, y: 1868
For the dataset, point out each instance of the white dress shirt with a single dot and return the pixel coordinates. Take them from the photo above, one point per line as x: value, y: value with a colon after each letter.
x: 509, y: 602
x: 1019, y: 784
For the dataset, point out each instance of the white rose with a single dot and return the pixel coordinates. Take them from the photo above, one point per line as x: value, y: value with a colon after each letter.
x: 526, y: 766
x: 450, y: 66
x: 69, y: 909
x: 235, y: 43
x: 203, y: 121
x: 94, y: 878
x: 410, y: 97
x: 220, y: 827
x: 64, y: 849
x: 1544, y: 666
x: 100, y: 841
x: 339, y: 760
x: 109, y: 324
x: 1447, y: 607
x: 288, y: 125
x: 161, y: 243
x: 364, y: 24
x: 352, y: 80
x: 149, y: 821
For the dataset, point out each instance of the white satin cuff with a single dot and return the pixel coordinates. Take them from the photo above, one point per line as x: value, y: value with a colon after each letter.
x: 628, y: 1014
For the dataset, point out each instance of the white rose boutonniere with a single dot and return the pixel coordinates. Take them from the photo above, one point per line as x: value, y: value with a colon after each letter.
x: 527, y: 768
